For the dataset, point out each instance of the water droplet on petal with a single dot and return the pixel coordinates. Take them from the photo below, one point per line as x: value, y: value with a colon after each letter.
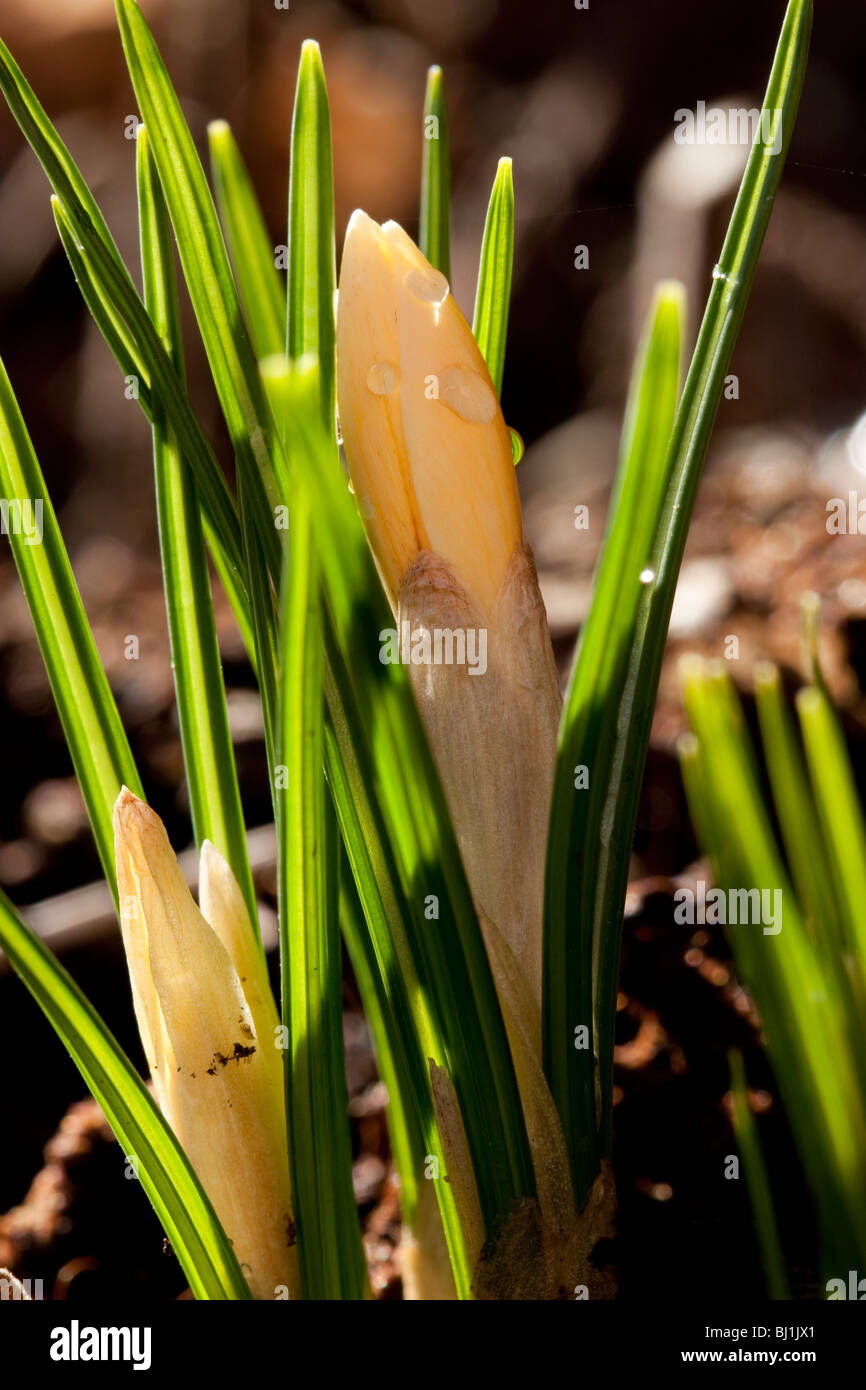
x: 366, y: 508
x: 647, y: 576
x: 517, y: 447
x: 430, y: 285
x: 351, y: 487
x: 339, y: 430
x: 382, y: 378
x: 468, y: 395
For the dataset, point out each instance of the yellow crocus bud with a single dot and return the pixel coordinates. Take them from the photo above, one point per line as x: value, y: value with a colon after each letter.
x: 208, y: 1025
x: 429, y: 455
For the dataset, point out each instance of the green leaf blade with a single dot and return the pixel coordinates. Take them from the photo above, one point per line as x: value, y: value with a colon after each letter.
x: 757, y: 1181
x: 493, y: 290
x: 435, y: 222
x: 94, y: 733
x: 215, y: 802
x: 311, y: 326
x: 587, y: 732
x: 839, y: 812
x: 412, y: 1025
x: 801, y: 832
x: 329, y: 1242
x: 261, y: 288
x: 62, y: 171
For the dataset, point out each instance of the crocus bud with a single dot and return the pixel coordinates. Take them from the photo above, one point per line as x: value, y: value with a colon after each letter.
x: 429, y: 455
x: 428, y: 449
x: 208, y: 1025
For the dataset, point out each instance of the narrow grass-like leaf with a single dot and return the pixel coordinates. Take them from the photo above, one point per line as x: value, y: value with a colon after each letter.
x: 403, y: 1132
x: 215, y: 802
x: 261, y: 287
x: 352, y: 777
x: 321, y: 1160
x: 354, y: 1274
x: 621, y: 764
x: 840, y: 812
x: 586, y: 738
x: 329, y: 1243
x: 757, y: 1181
x: 63, y: 173
x: 94, y: 733
x: 256, y: 539
x: 810, y: 616
x: 801, y: 831
x: 435, y: 222
x: 124, y: 323
x: 838, y: 806
x: 186, y: 1215
x: 312, y: 256
x: 114, y: 330
x: 331, y: 1254
x: 493, y: 291
x: 690, y: 438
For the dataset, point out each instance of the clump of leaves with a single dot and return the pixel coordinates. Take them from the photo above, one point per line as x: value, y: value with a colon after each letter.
x: 808, y: 973
x: 493, y: 1019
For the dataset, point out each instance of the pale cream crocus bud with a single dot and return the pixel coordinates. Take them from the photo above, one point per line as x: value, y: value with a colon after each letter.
x: 430, y: 459
x: 209, y: 1028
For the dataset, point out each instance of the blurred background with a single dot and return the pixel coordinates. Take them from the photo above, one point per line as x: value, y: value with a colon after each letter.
x: 584, y: 102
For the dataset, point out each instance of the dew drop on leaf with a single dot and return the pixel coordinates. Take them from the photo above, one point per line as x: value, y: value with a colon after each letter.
x: 517, y: 446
